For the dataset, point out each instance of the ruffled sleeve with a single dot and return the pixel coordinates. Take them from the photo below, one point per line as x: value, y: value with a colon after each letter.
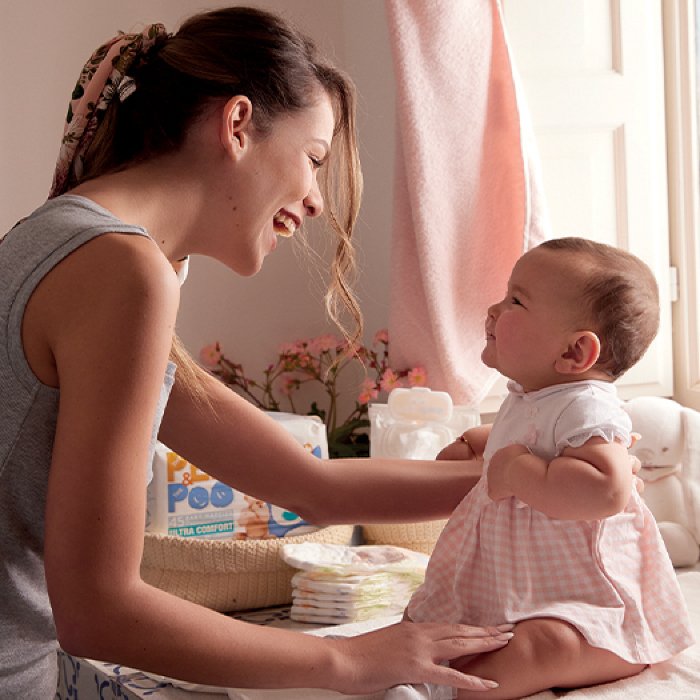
x: 592, y: 414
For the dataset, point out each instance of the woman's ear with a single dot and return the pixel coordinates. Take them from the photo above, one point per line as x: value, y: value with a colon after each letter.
x: 236, y: 125
x: 581, y: 355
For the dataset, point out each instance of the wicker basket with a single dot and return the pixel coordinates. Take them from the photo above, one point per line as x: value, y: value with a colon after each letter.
x: 419, y: 537
x: 227, y: 575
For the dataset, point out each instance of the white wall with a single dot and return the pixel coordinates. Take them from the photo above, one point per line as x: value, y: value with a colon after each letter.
x: 44, y: 46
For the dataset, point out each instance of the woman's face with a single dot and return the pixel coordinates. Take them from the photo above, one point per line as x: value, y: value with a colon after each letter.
x: 274, y: 186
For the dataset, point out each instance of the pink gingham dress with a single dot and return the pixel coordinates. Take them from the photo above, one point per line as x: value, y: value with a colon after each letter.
x: 502, y: 561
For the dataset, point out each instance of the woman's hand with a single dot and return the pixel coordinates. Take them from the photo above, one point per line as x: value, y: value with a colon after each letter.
x: 413, y: 653
x: 638, y: 481
x: 636, y: 466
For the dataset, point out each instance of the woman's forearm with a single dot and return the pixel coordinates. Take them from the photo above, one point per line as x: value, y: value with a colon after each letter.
x: 392, y: 490
x: 237, y: 444
x: 143, y: 627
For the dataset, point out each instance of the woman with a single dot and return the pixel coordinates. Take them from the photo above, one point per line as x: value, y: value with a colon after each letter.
x: 211, y: 144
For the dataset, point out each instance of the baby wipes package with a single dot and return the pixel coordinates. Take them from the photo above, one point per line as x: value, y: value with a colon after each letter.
x: 417, y: 423
x: 183, y: 500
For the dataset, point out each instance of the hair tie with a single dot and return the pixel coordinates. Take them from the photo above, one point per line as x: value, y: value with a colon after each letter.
x: 126, y: 87
x: 97, y: 85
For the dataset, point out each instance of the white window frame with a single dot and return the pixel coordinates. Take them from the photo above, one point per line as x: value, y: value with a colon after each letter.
x: 680, y: 59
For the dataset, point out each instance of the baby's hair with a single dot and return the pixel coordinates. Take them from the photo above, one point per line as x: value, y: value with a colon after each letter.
x: 622, y: 298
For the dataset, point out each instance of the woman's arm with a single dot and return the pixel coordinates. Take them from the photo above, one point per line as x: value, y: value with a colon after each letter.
x: 238, y: 444
x: 109, y: 336
x: 590, y: 482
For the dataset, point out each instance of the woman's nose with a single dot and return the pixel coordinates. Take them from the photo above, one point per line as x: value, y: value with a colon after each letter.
x: 313, y: 202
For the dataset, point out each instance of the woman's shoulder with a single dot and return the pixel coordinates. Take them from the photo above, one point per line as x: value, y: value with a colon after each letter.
x: 114, y: 281
x: 122, y: 269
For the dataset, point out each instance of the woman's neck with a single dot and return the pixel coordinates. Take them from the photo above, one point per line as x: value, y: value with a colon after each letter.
x: 149, y: 195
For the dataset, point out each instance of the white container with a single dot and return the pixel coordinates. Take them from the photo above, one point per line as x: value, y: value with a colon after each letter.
x: 417, y: 423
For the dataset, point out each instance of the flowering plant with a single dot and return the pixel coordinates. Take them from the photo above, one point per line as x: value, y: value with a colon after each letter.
x: 320, y: 360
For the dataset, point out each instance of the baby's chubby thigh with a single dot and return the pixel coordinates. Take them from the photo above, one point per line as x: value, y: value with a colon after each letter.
x: 543, y: 653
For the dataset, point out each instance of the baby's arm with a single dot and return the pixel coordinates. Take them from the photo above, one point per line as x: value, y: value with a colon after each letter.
x: 590, y: 482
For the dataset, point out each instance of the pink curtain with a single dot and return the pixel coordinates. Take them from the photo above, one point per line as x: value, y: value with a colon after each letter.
x: 467, y: 194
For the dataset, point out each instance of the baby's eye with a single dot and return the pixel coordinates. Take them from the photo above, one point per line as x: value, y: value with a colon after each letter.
x: 515, y: 301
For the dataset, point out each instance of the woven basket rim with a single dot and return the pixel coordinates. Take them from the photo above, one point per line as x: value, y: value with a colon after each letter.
x: 226, y: 543
x: 173, y: 553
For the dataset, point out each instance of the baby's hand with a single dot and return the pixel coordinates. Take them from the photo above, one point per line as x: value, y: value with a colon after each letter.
x: 497, y: 474
x: 459, y: 449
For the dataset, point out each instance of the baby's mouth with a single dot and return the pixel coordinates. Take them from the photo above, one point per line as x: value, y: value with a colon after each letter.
x: 285, y: 226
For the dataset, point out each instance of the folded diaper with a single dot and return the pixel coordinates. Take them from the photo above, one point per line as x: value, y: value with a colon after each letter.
x: 424, y: 691
x: 340, y: 617
x: 346, y: 560
x: 327, y: 603
x: 340, y: 584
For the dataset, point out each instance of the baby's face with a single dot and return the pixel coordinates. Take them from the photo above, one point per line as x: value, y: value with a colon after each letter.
x: 531, y: 327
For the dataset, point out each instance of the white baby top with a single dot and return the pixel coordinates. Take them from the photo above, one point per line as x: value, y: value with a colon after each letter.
x: 503, y: 561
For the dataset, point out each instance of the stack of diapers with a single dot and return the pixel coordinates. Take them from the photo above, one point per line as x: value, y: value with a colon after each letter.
x: 339, y: 584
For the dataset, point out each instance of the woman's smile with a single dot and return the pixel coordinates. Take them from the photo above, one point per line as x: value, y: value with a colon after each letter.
x: 285, y: 224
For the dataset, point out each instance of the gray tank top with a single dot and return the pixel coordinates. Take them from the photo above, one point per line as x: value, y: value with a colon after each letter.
x: 28, y: 413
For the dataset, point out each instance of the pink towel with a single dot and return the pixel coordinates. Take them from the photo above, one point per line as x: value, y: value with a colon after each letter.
x: 468, y: 197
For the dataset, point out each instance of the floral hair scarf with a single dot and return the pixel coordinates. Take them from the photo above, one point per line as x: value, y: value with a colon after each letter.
x: 99, y: 81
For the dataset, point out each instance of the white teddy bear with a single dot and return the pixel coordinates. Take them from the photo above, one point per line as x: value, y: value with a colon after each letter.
x: 669, y: 450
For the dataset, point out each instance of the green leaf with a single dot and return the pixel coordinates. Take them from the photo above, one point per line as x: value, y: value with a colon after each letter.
x: 316, y: 411
x: 343, y: 432
x: 344, y: 451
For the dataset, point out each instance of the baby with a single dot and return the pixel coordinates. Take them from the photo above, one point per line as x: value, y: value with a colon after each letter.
x: 554, y: 538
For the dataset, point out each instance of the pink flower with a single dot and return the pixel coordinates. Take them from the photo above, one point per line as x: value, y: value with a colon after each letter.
x: 299, y: 346
x: 305, y: 360
x: 210, y: 355
x: 326, y: 342
x: 288, y: 385
x: 418, y: 376
x: 368, y: 390
x: 361, y: 353
x: 390, y: 381
x: 381, y: 336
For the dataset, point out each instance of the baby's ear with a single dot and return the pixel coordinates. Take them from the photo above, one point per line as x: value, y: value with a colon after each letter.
x: 581, y: 355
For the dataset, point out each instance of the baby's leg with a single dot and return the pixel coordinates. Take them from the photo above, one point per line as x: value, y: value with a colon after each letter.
x: 544, y: 653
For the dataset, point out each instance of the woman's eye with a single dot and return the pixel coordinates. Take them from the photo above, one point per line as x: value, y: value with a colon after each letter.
x: 316, y: 162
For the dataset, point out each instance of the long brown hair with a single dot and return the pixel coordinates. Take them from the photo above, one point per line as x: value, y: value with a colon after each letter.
x: 214, y: 56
